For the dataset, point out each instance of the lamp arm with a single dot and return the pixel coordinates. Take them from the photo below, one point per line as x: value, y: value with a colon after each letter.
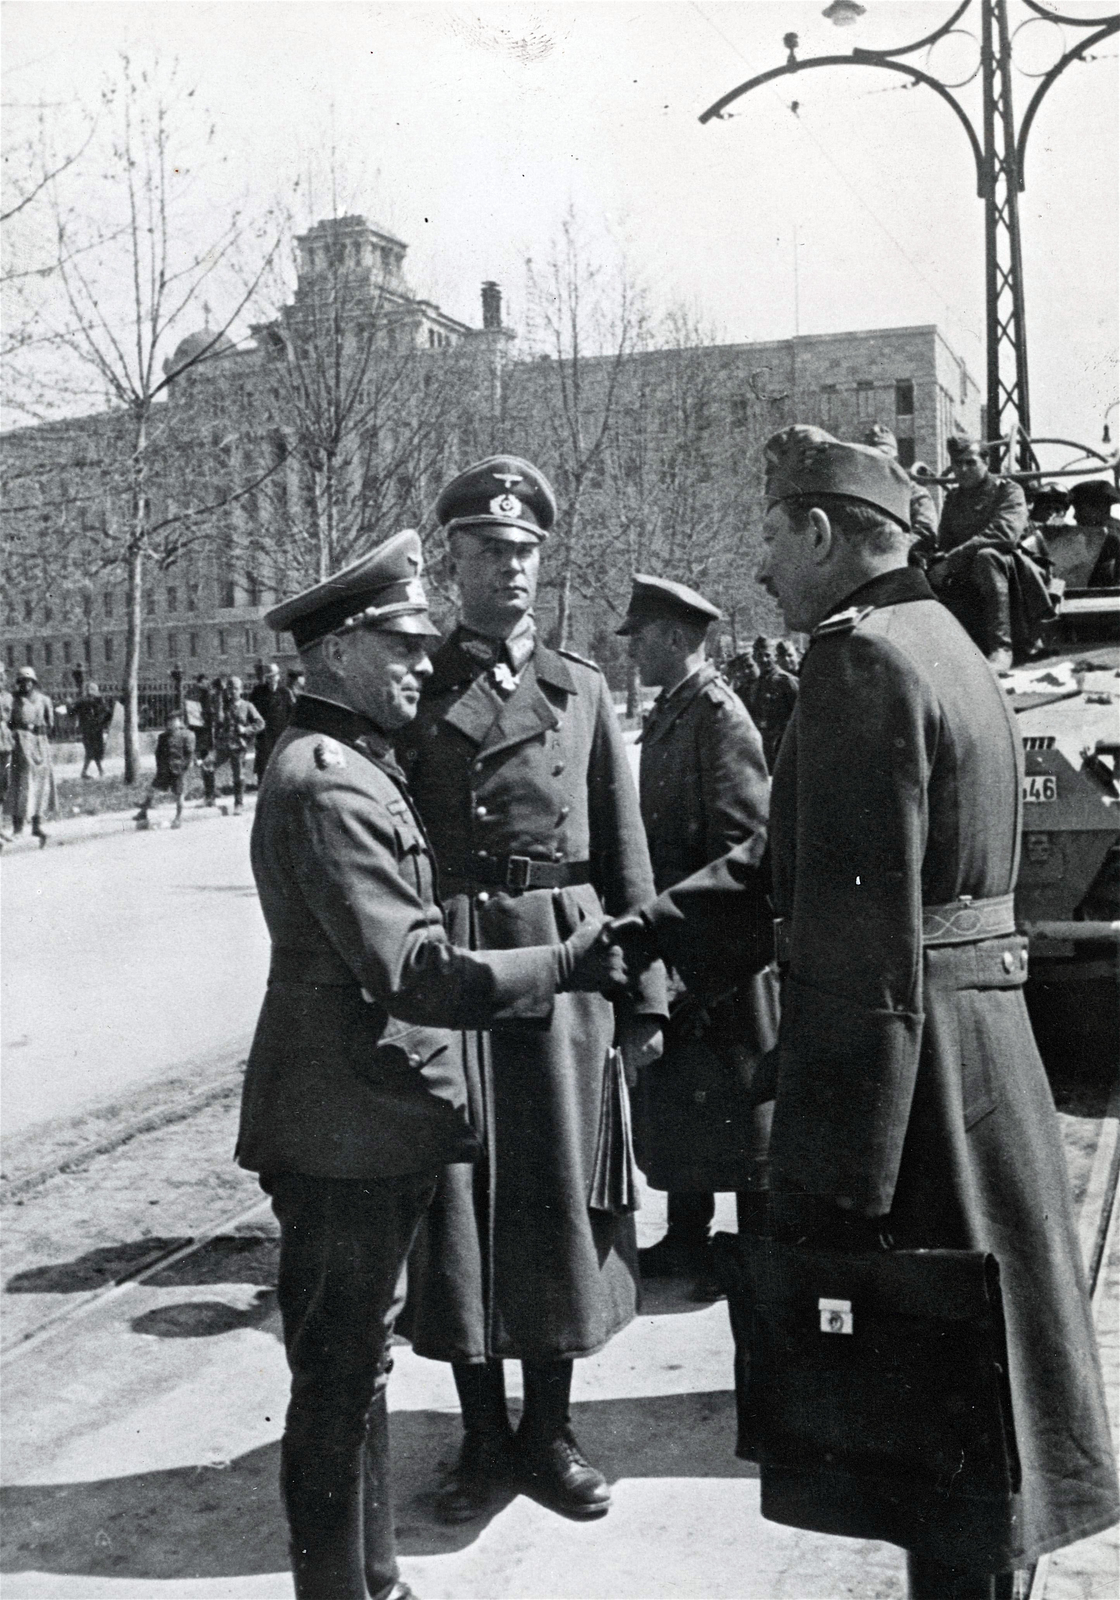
x: 1054, y: 16
x: 1110, y: 27
x: 920, y: 44
x: 858, y: 59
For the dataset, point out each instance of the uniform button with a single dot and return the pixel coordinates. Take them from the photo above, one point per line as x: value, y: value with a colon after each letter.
x: 564, y: 810
x: 478, y: 766
x: 1008, y: 961
x: 483, y: 897
x: 480, y: 811
x: 484, y: 855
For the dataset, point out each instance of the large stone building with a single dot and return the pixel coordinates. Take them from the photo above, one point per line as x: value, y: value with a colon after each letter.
x: 249, y: 499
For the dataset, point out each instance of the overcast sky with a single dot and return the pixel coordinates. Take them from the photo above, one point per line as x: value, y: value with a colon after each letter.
x: 468, y: 130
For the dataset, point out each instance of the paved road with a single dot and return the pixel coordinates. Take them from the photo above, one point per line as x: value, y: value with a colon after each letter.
x: 126, y: 959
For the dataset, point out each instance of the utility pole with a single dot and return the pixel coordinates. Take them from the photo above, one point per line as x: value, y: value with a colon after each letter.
x: 999, y: 151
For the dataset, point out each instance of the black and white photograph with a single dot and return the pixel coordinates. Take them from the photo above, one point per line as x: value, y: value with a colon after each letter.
x: 597, y: 525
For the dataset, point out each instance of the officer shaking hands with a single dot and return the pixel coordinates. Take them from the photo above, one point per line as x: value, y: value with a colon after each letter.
x: 355, y: 1097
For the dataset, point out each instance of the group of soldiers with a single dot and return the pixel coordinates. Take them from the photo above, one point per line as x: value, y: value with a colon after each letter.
x: 487, y: 946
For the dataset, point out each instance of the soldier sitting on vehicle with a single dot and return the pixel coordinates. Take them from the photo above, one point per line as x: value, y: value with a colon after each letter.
x: 1092, y: 502
x: 993, y: 587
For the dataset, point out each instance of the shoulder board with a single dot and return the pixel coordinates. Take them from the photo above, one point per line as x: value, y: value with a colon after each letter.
x: 843, y: 621
x: 719, y: 692
x: 584, y: 661
x: 329, y: 753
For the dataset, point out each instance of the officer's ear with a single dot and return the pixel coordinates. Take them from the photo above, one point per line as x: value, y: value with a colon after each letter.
x: 821, y: 535
x: 332, y: 655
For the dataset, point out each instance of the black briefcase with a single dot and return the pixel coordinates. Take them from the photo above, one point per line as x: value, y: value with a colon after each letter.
x: 884, y: 1373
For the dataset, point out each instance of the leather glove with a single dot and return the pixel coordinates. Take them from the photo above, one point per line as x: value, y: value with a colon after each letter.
x: 637, y: 939
x: 590, y: 962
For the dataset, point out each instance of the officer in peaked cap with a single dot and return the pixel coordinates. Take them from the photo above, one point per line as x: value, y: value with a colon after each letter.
x: 910, y: 1100
x: 704, y: 789
x: 502, y: 498
x: 520, y: 773
x: 354, y: 1096
x: 923, y: 513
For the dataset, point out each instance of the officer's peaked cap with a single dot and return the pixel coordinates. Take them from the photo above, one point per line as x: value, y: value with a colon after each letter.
x: 382, y: 590
x: 654, y: 599
x: 502, y: 497
x: 803, y: 461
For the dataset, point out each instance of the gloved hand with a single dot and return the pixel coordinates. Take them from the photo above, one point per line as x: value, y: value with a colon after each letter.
x: 637, y: 938
x: 591, y: 962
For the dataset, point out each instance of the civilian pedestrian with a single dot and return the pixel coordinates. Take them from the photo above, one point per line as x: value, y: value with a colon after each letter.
x: 174, y: 755
x: 94, y: 713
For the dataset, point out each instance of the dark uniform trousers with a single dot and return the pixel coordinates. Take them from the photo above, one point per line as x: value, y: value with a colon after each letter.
x: 984, y: 524
x: 343, y: 1245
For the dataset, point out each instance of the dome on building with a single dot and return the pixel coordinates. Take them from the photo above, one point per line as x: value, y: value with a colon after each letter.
x: 191, y: 348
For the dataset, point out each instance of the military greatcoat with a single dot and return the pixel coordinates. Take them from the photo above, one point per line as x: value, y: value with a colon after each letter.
x: 704, y: 789
x: 353, y: 1072
x: 908, y: 1080
x: 511, y: 1259
x: 32, y: 790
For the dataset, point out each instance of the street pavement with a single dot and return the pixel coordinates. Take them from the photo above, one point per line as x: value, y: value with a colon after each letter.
x: 127, y: 958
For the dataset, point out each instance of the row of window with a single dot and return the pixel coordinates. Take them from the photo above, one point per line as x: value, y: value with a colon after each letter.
x: 223, y: 642
x: 189, y: 597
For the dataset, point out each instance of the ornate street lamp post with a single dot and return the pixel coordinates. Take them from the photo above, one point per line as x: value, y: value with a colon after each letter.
x: 999, y: 150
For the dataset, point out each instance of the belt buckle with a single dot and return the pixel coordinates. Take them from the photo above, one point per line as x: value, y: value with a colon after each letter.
x: 517, y: 871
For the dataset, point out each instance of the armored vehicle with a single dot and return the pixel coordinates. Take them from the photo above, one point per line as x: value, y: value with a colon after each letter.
x: 1067, y: 702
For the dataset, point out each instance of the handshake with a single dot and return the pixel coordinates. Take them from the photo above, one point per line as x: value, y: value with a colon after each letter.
x: 607, y: 957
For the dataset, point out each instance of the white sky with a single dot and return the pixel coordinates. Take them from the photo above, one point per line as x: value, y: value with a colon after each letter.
x: 468, y: 130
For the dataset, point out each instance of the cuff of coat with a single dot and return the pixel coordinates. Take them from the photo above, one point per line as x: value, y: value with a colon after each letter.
x: 846, y: 1078
x: 524, y: 983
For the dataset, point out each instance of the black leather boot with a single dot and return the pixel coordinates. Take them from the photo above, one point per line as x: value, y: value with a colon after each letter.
x: 484, y: 1467
x: 553, y: 1467
x: 930, y: 1580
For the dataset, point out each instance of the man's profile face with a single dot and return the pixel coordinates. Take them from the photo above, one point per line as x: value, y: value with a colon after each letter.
x: 384, y: 674
x: 787, y: 570
x: 497, y: 580
x: 970, y: 469
x: 650, y: 649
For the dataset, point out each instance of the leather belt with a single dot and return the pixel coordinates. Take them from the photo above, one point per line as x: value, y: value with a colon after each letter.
x: 316, y: 967
x: 521, y: 872
x: 962, y: 921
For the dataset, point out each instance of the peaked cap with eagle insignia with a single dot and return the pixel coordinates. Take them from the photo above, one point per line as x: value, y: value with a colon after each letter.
x: 382, y: 590
x: 503, y: 497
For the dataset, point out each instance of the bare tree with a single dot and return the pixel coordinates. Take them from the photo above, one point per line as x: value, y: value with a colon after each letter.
x: 585, y: 322
x: 361, y: 410
x: 130, y: 270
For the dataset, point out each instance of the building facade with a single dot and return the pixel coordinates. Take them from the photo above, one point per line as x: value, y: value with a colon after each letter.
x: 253, y: 494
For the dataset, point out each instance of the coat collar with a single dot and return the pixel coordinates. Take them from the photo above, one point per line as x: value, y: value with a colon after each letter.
x: 348, y: 727
x: 893, y: 588
x: 667, y: 708
x: 481, y: 713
